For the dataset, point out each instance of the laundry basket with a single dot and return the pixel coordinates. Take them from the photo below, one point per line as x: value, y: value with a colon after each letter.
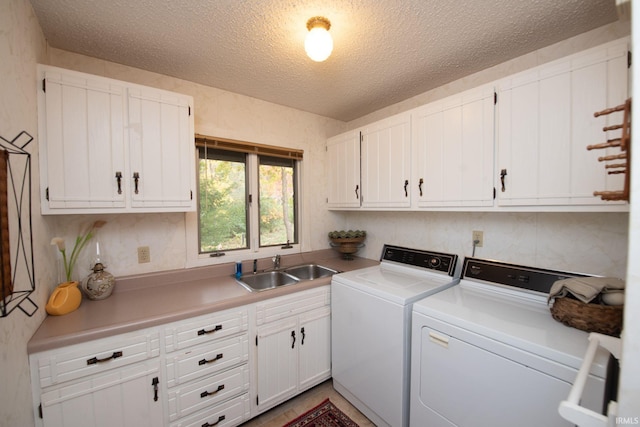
x: 591, y: 317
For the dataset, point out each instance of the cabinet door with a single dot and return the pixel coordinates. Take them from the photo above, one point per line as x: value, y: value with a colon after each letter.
x: 343, y: 158
x: 82, y: 141
x: 277, y: 362
x: 453, y: 150
x: 385, y: 163
x: 122, y: 397
x: 546, y: 122
x: 315, y: 347
x: 161, y: 149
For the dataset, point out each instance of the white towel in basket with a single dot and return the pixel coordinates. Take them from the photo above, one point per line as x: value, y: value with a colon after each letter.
x: 586, y: 289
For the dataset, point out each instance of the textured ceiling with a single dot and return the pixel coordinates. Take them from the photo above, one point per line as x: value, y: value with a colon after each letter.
x: 385, y: 51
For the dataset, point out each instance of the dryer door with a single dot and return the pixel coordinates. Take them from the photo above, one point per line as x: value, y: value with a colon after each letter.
x: 465, y: 385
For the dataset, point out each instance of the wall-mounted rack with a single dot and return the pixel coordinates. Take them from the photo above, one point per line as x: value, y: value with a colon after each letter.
x: 622, y: 160
x: 16, y: 241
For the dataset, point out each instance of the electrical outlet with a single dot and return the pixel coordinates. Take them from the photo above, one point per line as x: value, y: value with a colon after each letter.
x: 479, y: 236
x: 144, y: 255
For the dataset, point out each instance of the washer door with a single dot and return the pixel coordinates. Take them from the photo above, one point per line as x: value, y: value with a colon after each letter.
x: 465, y: 385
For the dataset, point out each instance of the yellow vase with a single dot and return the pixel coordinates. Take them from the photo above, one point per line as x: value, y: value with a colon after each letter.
x: 66, y: 297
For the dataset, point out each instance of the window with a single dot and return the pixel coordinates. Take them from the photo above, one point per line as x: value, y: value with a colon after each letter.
x: 223, y: 211
x: 277, y: 201
x: 248, y: 196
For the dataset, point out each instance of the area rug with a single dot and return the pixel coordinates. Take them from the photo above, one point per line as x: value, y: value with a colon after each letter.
x: 325, y: 414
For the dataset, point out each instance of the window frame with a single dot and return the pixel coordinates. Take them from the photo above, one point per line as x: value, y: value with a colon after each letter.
x: 296, y: 233
x: 254, y: 251
x: 232, y: 156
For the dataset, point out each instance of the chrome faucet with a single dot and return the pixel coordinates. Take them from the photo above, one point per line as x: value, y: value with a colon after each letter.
x: 255, y: 266
x: 276, y: 262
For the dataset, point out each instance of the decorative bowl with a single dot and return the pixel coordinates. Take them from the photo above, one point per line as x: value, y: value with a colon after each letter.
x: 347, y: 242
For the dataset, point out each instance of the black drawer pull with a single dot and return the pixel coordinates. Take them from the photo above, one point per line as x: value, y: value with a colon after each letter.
x: 205, y: 361
x: 154, y: 382
x: 136, y: 178
x: 119, y: 181
x: 211, y: 393
x: 95, y: 360
x: 216, y: 328
x: 220, y: 419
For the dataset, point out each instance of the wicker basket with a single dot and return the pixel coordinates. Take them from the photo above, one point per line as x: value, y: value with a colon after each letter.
x: 605, y: 319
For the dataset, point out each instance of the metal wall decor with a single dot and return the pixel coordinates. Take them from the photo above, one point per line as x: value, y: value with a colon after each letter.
x: 16, y: 239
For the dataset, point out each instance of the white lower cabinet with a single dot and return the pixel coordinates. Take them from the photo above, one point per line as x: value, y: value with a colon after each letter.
x: 231, y: 412
x: 199, y: 371
x: 107, y: 382
x: 121, y: 397
x: 207, y: 373
x: 293, y: 345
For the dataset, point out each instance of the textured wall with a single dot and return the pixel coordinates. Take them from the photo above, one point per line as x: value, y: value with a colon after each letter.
x: 21, y: 47
x: 593, y: 243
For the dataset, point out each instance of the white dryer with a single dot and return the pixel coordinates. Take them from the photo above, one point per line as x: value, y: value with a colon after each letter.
x: 371, y: 328
x: 487, y: 353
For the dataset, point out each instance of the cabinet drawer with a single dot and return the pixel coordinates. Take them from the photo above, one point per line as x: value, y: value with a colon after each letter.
x: 203, y: 329
x: 230, y: 413
x: 205, y: 360
x: 185, y: 400
x: 291, y: 305
x: 68, y: 363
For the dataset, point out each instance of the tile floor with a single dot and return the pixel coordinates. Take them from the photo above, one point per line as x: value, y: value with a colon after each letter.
x: 291, y: 409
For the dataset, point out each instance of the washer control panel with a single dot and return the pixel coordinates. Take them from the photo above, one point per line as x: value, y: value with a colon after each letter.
x: 437, y: 261
x: 516, y: 276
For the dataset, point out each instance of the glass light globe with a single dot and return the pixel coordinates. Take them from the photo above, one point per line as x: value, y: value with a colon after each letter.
x: 318, y: 44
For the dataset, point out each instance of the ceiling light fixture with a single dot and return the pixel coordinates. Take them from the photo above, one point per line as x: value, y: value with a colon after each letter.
x: 318, y: 43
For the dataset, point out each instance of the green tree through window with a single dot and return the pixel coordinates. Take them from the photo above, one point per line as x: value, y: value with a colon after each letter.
x: 225, y: 208
x: 277, y: 201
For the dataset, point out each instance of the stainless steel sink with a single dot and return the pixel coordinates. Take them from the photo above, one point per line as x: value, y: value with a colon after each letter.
x: 310, y: 271
x: 269, y: 280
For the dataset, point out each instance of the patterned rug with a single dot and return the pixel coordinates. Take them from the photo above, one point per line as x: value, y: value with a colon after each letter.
x: 325, y: 414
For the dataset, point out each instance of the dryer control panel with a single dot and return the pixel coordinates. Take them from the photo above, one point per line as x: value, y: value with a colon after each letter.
x: 436, y: 261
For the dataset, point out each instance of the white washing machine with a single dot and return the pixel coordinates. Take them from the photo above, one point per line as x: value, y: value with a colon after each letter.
x: 487, y: 353
x: 371, y: 328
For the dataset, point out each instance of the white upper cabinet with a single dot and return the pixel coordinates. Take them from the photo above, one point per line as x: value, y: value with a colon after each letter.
x: 82, y: 141
x: 386, y: 163
x: 108, y: 146
x: 160, y: 130
x: 343, y: 159
x: 546, y: 120
x: 453, y: 150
